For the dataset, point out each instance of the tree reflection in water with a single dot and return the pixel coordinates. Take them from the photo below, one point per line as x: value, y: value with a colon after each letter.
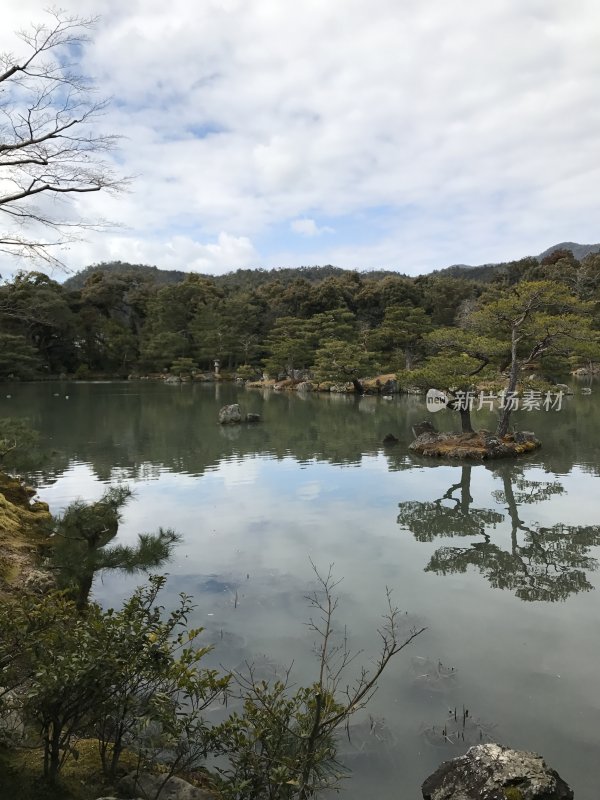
x: 542, y: 563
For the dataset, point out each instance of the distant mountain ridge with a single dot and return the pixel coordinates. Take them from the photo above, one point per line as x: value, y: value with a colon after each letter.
x: 481, y: 272
x: 579, y: 250
x: 485, y: 272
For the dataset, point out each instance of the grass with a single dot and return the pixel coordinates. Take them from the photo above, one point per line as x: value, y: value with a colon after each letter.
x: 81, y: 779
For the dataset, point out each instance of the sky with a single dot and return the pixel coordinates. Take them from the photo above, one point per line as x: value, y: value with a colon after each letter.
x: 390, y: 134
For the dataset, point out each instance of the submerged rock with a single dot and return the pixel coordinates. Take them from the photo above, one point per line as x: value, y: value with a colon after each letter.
x: 494, y: 772
x: 147, y: 784
x: 389, y: 438
x: 250, y: 417
x: 230, y: 415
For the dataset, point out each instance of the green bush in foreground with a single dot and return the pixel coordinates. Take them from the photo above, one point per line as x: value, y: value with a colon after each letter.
x: 133, y: 681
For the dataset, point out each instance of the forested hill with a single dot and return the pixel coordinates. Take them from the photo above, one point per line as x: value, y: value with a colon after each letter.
x: 116, y: 268
x: 251, y: 278
x: 120, y: 319
x: 239, y: 279
x: 488, y: 272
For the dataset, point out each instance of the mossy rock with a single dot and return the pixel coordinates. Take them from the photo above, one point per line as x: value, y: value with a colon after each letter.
x: 23, y: 532
x: 512, y: 793
x: 480, y: 446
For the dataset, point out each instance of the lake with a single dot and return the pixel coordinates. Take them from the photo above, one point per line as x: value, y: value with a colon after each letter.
x: 499, y: 562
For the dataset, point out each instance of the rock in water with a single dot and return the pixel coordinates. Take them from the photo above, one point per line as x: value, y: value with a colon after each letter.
x: 494, y: 772
x: 229, y: 415
x: 423, y: 427
x: 389, y: 438
x: 250, y: 417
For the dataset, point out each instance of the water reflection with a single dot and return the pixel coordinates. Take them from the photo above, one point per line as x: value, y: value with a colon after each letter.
x: 541, y: 563
x: 313, y: 479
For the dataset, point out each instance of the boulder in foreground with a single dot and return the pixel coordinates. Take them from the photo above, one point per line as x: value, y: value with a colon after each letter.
x: 494, y: 772
x: 146, y: 784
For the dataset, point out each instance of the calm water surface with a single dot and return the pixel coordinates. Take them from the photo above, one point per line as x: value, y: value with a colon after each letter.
x: 500, y: 562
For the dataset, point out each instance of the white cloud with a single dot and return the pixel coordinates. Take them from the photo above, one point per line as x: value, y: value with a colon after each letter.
x: 463, y: 132
x: 308, y: 227
x: 179, y: 252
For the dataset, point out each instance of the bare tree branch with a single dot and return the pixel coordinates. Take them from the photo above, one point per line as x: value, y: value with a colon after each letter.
x: 49, y: 145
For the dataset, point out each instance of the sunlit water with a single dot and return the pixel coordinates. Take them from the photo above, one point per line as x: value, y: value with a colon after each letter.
x: 497, y: 562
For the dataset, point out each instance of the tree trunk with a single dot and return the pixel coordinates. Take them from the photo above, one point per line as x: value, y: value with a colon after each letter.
x: 465, y: 420
x: 502, y: 428
x: 465, y: 491
x: 513, y: 511
x: 52, y: 753
x: 408, y: 359
x: 83, y: 590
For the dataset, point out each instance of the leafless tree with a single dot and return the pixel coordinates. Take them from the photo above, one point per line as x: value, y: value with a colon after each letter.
x: 295, y: 752
x: 50, y: 149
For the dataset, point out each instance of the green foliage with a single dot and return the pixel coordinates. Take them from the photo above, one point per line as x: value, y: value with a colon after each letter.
x: 183, y: 366
x: 119, y: 318
x: 291, y: 345
x: 162, y: 349
x: 18, y: 358
x: 133, y: 680
x: 460, y: 359
x: 83, y: 371
x: 80, y: 544
x: 127, y: 676
x: 446, y: 371
x: 534, y: 320
x: 340, y: 361
x: 18, y: 444
x: 247, y: 373
x: 400, y: 336
x: 267, y: 744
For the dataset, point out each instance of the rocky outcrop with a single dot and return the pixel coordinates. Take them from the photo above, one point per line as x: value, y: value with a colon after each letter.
x: 341, y: 388
x: 478, y: 446
x: 146, y: 784
x: 494, y: 772
x: 230, y: 415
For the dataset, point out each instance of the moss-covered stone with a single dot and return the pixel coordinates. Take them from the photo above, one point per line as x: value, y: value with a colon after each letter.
x: 23, y: 532
x: 481, y: 446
